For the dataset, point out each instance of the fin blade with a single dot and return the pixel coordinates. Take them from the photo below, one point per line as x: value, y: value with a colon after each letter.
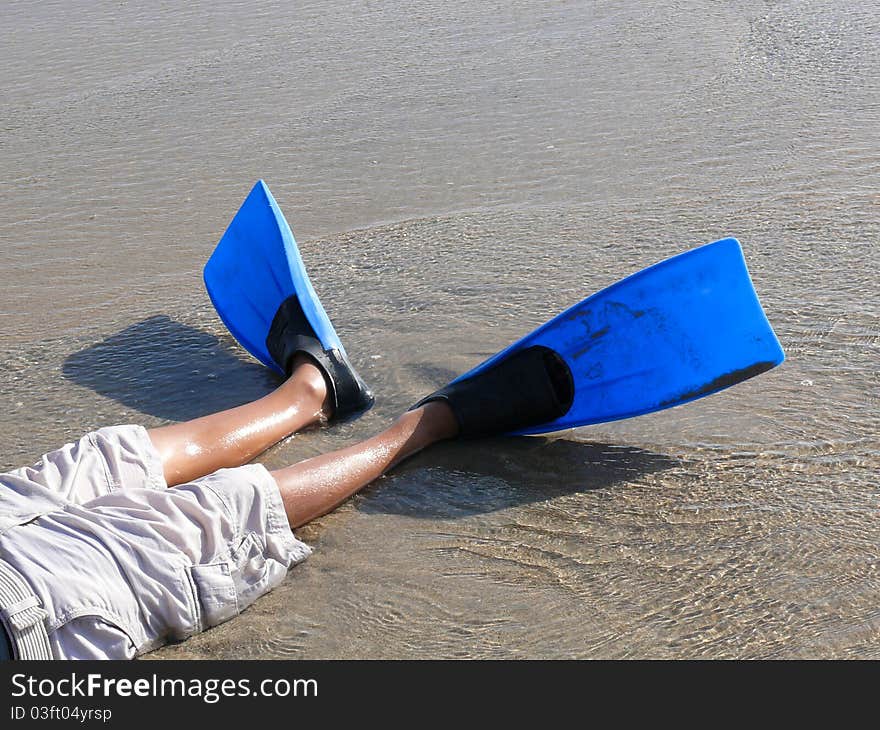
x: 676, y: 331
x: 254, y: 268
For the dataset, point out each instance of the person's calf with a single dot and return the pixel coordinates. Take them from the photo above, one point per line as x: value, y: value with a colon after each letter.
x: 315, y: 486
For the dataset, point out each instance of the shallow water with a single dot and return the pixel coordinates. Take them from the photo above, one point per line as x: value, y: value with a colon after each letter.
x: 455, y: 175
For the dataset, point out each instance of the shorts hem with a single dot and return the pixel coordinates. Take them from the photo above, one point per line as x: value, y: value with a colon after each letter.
x: 153, y: 467
x: 276, y: 516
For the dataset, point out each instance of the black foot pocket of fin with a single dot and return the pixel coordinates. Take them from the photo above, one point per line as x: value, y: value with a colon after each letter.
x: 291, y: 333
x: 531, y: 387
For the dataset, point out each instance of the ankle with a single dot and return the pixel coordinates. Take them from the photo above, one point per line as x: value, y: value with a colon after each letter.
x: 438, y: 420
x: 308, y: 383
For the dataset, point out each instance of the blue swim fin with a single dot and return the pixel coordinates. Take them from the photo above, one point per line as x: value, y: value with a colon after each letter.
x: 259, y: 286
x: 676, y: 331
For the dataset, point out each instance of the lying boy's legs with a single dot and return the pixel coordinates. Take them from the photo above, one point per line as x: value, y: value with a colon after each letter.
x: 233, y: 437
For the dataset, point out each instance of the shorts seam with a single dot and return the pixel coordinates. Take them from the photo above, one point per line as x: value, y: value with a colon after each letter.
x: 194, y: 597
x: 153, y: 465
x: 111, y: 485
x: 226, y: 508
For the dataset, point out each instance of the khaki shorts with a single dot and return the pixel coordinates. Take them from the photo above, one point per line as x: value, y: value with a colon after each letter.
x: 117, y: 564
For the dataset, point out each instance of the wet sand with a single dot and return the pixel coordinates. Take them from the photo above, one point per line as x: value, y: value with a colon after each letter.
x: 454, y: 176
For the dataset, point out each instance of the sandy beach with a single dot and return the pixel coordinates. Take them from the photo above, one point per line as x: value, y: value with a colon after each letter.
x: 456, y: 174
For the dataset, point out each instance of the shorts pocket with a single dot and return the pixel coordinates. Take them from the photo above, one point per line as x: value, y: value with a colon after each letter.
x: 215, y: 587
x: 24, y: 501
x: 255, y: 573
x: 94, y: 636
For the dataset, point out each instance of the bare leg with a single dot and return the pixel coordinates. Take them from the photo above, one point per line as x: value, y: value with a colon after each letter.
x: 231, y: 438
x: 315, y: 486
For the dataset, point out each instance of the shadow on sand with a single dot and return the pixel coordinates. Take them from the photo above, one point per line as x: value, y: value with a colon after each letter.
x: 169, y: 370
x: 457, y: 479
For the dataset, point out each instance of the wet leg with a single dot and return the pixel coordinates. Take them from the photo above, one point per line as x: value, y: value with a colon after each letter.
x: 233, y: 437
x: 315, y: 486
